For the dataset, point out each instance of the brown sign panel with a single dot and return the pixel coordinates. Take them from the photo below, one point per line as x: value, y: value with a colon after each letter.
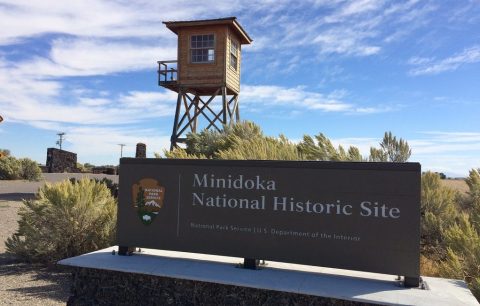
x: 358, y: 216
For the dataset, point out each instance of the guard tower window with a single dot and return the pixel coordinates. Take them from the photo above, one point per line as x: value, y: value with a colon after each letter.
x: 202, y: 48
x: 234, y: 54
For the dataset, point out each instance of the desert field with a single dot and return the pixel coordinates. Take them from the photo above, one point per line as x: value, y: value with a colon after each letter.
x: 457, y: 184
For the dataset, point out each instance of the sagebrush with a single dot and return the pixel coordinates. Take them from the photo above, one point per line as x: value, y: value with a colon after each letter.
x: 12, y: 168
x: 66, y: 219
x: 245, y: 140
x: 450, y: 226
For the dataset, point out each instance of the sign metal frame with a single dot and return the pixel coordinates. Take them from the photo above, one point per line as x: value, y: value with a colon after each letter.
x: 349, y: 215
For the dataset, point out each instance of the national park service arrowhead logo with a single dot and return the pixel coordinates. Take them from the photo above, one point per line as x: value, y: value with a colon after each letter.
x: 147, y: 198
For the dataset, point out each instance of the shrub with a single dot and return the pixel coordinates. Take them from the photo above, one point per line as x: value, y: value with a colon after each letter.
x: 4, y: 152
x: 9, y: 168
x: 180, y: 153
x: 113, y: 187
x: 463, y: 254
x: 66, y: 219
x: 14, y: 169
x: 391, y: 150
x: 29, y: 170
x: 473, y: 182
x: 323, y: 149
x: 266, y: 148
x: 463, y: 239
x: 438, y: 212
x: 245, y: 140
x: 428, y: 267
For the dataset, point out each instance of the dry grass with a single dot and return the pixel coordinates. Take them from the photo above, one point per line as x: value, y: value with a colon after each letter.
x: 428, y: 267
x: 457, y: 184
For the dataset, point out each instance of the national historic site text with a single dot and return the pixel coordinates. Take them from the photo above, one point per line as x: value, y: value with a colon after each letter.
x: 287, y: 203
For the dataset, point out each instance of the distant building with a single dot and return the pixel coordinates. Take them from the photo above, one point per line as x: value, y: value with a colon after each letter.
x: 59, y: 161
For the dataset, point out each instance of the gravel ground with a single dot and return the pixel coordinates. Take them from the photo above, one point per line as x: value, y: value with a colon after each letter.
x: 21, y: 283
x: 27, y: 284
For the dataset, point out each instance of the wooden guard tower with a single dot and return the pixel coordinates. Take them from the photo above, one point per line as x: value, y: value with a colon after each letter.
x: 207, y: 70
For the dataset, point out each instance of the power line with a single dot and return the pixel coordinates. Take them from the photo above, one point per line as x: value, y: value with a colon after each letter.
x: 121, y: 149
x: 61, y: 139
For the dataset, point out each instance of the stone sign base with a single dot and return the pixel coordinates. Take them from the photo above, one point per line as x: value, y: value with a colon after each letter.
x: 103, y: 287
x: 156, y: 277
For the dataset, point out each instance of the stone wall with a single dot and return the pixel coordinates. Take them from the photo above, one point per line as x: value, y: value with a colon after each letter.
x: 104, y: 287
x: 104, y: 170
x: 59, y: 161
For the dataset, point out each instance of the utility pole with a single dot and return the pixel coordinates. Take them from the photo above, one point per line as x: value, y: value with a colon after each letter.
x: 121, y: 149
x: 61, y: 139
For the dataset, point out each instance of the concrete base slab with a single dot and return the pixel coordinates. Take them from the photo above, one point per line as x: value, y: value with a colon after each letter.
x: 299, y: 279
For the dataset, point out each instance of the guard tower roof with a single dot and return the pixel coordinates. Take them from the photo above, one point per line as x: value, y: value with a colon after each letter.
x: 230, y: 21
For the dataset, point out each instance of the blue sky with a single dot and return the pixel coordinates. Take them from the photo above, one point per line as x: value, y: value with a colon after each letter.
x: 349, y: 69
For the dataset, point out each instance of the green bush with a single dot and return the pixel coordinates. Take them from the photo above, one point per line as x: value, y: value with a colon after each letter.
x: 267, y: 148
x: 245, y: 140
x: 9, y: 168
x: 391, y: 150
x: 29, y: 170
x: 463, y: 253
x: 323, y: 149
x: 473, y: 199
x: 113, y: 187
x: 14, y: 169
x: 66, y: 219
x: 462, y: 239
x: 438, y: 212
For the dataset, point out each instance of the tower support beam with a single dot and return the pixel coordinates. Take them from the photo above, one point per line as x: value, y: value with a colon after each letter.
x: 190, y: 109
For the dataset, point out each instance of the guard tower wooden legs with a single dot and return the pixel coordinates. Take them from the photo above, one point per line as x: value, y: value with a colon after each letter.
x: 191, y: 107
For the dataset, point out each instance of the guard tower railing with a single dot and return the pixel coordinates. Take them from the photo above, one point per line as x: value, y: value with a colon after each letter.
x: 167, y: 73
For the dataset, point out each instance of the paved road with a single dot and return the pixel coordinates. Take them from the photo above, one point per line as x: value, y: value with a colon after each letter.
x: 16, y: 190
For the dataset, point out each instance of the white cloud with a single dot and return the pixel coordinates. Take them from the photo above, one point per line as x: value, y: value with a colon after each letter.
x: 88, y: 142
x: 86, y: 57
x: 352, y: 28
x: 453, y: 153
x: 29, y: 100
x: 431, y: 66
x: 94, y: 101
x: 20, y: 19
x: 416, y: 60
x: 345, y: 41
x: 92, y: 112
x: 353, y: 8
x: 293, y: 97
x: 373, y: 110
x: 300, y: 98
x: 362, y: 143
x: 147, y: 100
